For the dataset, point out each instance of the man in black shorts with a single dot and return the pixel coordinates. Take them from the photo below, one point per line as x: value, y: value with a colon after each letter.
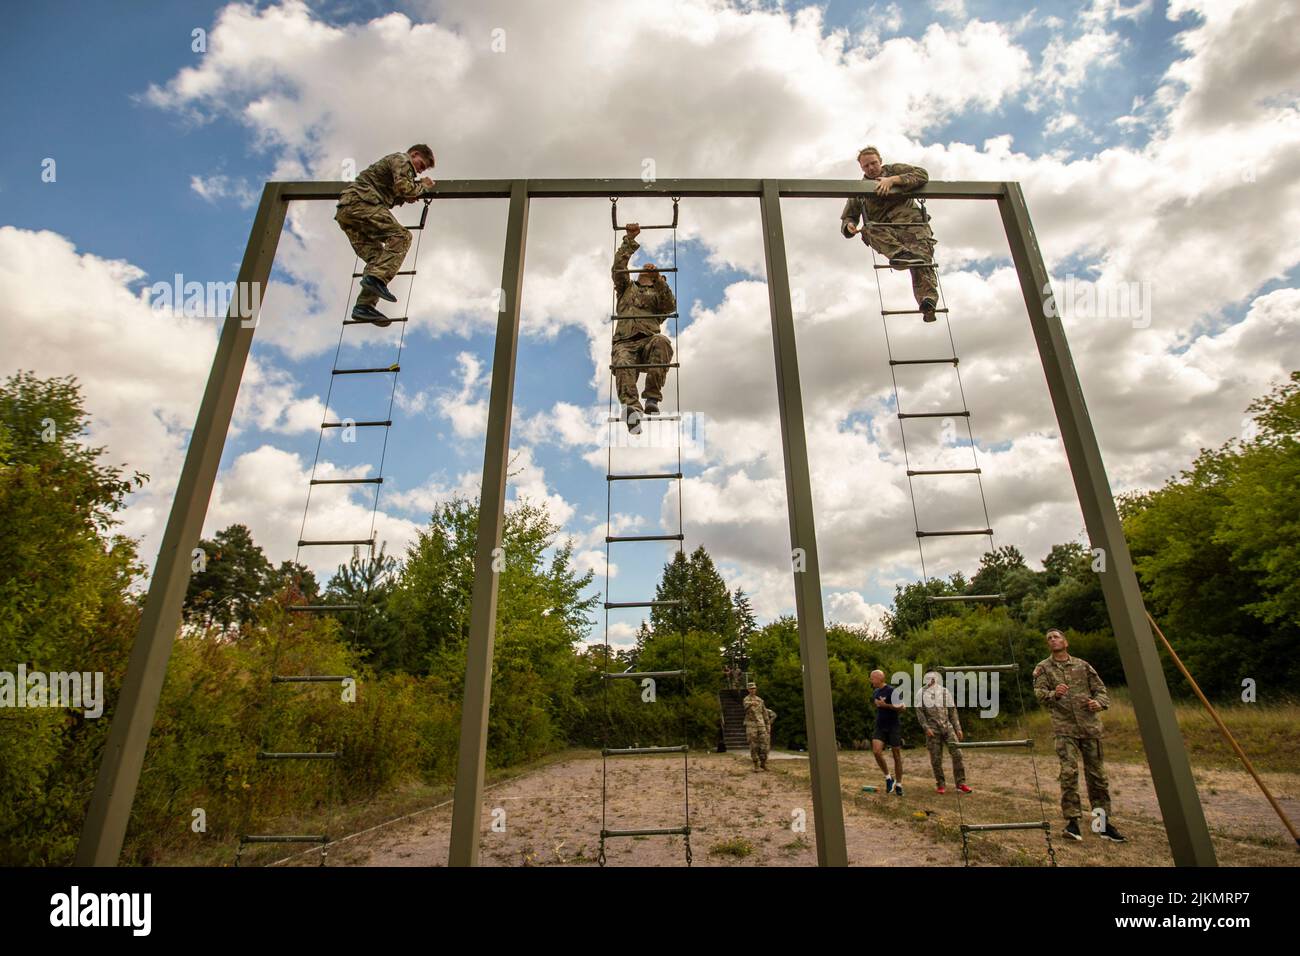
x: 888, y: 701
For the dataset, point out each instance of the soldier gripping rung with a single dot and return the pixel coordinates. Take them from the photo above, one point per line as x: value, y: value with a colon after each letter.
x: 631, y: 271
x: 284, y: 838
x: 943, y: 534
x: 984, y: 827
x: 934, y: 361
x: 907, y: 311
x: 896, y: 224
x: 912, y: 472
x: 979, y: 668
x: 322, y: 608
x: 366, y: 371
x: 613, y: 604
x: 309, y: 679
x: 347, y: 481
x: 648, y: 365
x: 637, y: 675
x: 992, y: 744
x: 665, y: 474
x: 934, y: 414
x: 632, y: 751
x: 404, y: 272
x: 964, y: 597
x: 306, y: 544
x: 323, y: 755
x: 653, y: 315
x: 651, y: 418
x: 656, y: 831
x: 644, y: 537
x: 910, y: 265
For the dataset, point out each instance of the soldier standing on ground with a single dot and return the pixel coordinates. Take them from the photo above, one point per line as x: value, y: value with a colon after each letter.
x: 937, y: 713
x: 758, y: 726
x: 641, y: 307
x: 1074, y: 695
x: 377, y: 237
x: 888, y: 730
x: 905, y: 246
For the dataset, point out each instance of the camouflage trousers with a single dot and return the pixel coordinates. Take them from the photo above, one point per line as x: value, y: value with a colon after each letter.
x: 378, y: 239
x: 1069, y: 750
x: 642, y: 350
x: 758, y: 742
x: 918, y: 240
x: 935, y: 745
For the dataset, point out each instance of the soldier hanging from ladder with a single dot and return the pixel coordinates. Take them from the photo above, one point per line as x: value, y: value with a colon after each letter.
x: 637, y: 339
x: 906, y: 246
x: 380, y: 241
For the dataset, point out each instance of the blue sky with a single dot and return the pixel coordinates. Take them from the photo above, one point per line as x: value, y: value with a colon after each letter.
x: 124, y: 192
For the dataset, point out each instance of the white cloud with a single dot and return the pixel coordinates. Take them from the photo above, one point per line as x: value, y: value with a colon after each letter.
x: 215, y: 188
x: 771, y: 93
x: 850, y: 607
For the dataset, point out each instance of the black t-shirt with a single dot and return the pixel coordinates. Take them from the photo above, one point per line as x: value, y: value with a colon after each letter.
x: 885, y: 719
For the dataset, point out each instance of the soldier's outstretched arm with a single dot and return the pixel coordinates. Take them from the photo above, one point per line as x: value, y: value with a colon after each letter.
x: 909, y: 177
x: 621, y: 258
x: 1097, y: 689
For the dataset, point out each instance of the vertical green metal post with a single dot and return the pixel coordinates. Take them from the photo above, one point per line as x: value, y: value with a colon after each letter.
x: 467, y: 804
x: 824, y: 775
x: 119, y: 771
x: 1171, y: 771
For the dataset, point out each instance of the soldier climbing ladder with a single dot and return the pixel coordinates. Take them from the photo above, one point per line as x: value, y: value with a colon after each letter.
x: 346, y: 425
x: 606, y: 832
x: 1022, y: 741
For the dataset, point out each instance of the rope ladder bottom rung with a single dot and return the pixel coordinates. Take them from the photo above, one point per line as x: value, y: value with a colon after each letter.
x: 635, y: 751
x: 987, y: 827
x: 650, y: 831
x: 284, y: 838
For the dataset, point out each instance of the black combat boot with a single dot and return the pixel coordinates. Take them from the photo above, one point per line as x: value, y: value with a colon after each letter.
x: 927, y: 310
x: 1072, y: 829
x: 378, y: 287
x: 368, y: 313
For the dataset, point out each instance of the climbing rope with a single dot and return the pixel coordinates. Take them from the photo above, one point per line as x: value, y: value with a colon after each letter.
x: 614, y: 419
x: 976, y: 470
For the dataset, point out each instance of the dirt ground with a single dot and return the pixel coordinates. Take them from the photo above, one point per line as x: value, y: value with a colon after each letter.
x: 552, y: 817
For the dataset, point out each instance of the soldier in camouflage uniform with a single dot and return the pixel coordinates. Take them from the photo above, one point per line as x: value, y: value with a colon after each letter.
x: 1074, y: 695
x: 903, y: 246
x: 637, y: 339
x: 937, y: 714
x: 758, y: 726
x: 377, y: 237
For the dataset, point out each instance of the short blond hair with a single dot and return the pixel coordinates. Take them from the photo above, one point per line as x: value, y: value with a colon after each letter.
x: 869, y: 149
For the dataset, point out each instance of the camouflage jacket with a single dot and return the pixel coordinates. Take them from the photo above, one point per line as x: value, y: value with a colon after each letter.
x: 635, y: 299
x: 936, y: 710
x: 896, y: 207
x: 1070, y: 714
x: 387, y: 182
x: 757, y: 714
